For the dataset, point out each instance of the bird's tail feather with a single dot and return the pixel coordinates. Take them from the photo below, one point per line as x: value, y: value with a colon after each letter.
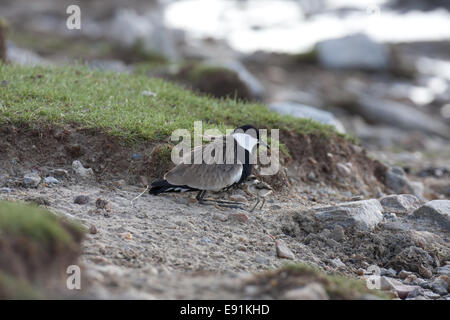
x: 162, y: 186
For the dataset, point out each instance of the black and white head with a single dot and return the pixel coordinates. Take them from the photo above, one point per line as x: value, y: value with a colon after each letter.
x: 248, y: 137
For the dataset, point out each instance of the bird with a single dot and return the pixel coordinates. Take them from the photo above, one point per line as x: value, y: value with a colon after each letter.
x: 258, y: 189
x: 203, y: 175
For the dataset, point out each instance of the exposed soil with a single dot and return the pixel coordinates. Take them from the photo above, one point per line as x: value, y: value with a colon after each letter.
x: 171, y: 247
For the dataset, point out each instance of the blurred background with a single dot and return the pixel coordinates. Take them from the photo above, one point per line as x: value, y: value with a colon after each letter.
x: 376, y: 69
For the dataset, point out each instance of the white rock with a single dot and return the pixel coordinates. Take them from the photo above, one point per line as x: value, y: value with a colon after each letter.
x: 363, y: 215
x: 283, y: 251
x: 437, y: 211
x: 51, y: 180
x: 356, y: 51
x: 82, y: 171
x: 298, y: 110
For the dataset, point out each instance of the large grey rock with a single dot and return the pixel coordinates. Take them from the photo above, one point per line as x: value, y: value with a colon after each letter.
x: 437, y: 211
x: 400, y: 203
x: 363, y: 215
x: 24, y: 57
x: 356, y: 51
x: 397, y: 181
x: 298, y: 110
x: 382, y: 111
x: 128, y: 28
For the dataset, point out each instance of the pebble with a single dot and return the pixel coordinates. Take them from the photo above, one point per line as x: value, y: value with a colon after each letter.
x: 338, y: 233
x: 440, y: 286
x: 148, y: 93
x: 93, y: 229
x: 283, y: 251
x: 60, y: 173
x: 136, y: 156
x: 240, y: 217
x: 388, y: 272
x: 404, y: 274
x: 261, y: 260
x: 31, y: 180
x: 445, y: 270
x: 102, y: 204
x: 81, y: 199
x: 50, y: 180
x: 337, y: 263
x: 343, y: 169
x: 82, y: 171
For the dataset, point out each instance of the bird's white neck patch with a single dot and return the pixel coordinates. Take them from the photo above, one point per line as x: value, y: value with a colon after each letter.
x: 246, y: 141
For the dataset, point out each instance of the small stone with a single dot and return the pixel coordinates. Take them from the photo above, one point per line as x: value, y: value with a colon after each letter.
x: 102, y: 204
x: 51, y: 180
x: 390, y: 217
x: 425, y: 272
x: 120, y: 183
x: 343, y: 169
x: 445, y: 270
x: 136, y: 156
x: 220, y: 217
x: 283, y: 251
x: 440, y: 286
x: 404, y: 274
x: 312, y: 176
x: 128, y: 236
x: 338, y: 263
x: 81, y: 199
x: 360, y: 272
x: 430, y: 294
x: 338, y: 233
x: 388, y: 272
x: 148, y: 93
x: 411, y: 278
x: 60, y: 173
x: 261, y: 260
x: 240, y: 217
x: 312, y: 291
x: 93, y: 229
x: 31, y: 180
x: 81, y: 171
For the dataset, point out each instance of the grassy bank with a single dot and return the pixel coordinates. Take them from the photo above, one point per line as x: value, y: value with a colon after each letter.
x: 115, y: 104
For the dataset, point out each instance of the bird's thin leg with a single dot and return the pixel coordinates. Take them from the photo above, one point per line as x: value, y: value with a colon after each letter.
x: 222, y: 201
x: 200, y: 196
x: 262, y: 205
x: 257, y: 202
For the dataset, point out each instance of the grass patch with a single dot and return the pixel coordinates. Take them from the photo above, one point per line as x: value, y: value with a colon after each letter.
x: 32, y: 222
x: 294, y: 275
x: 114, y: 103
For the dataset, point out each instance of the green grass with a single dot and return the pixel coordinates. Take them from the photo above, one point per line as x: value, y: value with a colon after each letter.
x: 32, y: 222
x: 114, y: 103
x: 337, y: 286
